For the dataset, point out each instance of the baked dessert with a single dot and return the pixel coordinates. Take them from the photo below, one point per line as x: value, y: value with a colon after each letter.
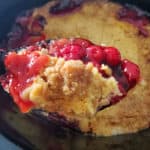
x: 114, y: 25
x: 71, y: 77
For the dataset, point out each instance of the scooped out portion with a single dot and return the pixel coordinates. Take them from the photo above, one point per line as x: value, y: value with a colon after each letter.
x: 68, y: 76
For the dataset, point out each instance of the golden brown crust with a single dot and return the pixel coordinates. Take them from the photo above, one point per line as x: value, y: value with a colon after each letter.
x: 133, y: 112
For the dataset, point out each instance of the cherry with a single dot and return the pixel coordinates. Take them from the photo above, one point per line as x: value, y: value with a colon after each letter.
x: 95, y: 53
x: 113, y: 56
x: 82, y: 42
x: 131, y: 71
x: 72, y: 52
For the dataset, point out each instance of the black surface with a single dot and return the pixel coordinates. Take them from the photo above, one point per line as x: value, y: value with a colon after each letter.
x: 32, y: 133
x: 143, y: 4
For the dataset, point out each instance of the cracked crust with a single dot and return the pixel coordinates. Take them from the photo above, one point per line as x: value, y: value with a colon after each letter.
x: 133, y: 112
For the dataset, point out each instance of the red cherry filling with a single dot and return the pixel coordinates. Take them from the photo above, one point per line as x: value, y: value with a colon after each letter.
x: 82, y: 42
x: 72, y: 52
x: 95, y: 53
x: 113, y: 57
x: 131, y: 71
x: 22, y: 68
x: 26, y: 31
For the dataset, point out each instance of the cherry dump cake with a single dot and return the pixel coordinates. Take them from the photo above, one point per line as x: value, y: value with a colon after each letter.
x: 90, y: 84
x: 72, y: 77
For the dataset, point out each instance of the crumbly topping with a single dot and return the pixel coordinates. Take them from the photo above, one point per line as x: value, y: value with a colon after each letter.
x: 71, y: 87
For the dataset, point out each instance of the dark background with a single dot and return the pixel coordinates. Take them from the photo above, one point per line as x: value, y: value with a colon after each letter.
x: 9, y: 9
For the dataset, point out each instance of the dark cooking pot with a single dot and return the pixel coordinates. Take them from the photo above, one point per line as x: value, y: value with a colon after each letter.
x: 32, y: 133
